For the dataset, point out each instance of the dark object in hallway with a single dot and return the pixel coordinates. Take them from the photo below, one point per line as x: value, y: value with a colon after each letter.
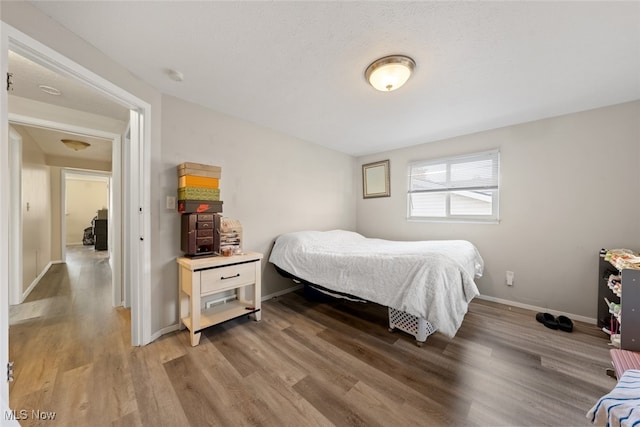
x: 101, y: 234
x: 88, y: 237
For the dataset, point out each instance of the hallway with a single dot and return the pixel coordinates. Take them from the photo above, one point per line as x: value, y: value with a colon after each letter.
x: 66, y: 340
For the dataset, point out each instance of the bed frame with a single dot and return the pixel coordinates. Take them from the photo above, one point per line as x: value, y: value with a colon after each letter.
x: 419, y: 327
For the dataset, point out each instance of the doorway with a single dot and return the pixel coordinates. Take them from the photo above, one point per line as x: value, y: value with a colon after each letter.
x: 131, y: 175
x: 49, y: 132
x: 135, y: 185
x: 86, y: 200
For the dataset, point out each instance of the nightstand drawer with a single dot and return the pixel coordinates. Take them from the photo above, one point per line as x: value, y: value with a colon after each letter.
x: 218, y: 279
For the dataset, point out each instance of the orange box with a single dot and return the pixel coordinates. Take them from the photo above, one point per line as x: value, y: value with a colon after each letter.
x: 198, y: 181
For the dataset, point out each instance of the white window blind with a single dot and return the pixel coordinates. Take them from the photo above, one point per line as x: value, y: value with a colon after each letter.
x: 464, y: 188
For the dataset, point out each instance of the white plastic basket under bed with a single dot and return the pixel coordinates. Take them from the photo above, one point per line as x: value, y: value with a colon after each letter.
x: 417, y: 326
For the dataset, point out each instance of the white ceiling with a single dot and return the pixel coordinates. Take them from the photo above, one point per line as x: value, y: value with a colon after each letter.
x: 27, y: 76
x: 298, y: 67
x: 49, y: 141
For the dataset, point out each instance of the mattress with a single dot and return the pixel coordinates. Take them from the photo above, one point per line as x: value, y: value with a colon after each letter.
x: 431, y: 279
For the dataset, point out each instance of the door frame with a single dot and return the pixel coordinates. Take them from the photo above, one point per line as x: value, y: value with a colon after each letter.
x: 135, y: 183
x: 91, y: 175
x: 115, y: 219
x: 15, y: 217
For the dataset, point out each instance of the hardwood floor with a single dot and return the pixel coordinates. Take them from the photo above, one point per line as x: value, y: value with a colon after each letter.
x: 305, y: 363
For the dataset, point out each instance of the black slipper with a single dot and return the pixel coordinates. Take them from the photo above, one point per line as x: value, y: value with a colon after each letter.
x: 547, y: 320
x: 565, y: 324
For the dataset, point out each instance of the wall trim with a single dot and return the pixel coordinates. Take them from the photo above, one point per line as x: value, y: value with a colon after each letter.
x: 35, y: 282
x: 166, y: 330
x: 577, y: 317
x: 282, y: 292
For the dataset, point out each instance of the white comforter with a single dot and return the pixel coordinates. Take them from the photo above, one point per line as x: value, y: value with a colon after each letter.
x: 428, y: 279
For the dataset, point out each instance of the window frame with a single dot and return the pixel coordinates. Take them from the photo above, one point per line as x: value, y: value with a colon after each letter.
x: 448, y: 190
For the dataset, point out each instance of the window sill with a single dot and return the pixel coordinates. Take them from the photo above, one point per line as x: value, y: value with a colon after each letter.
x: 455, y: 221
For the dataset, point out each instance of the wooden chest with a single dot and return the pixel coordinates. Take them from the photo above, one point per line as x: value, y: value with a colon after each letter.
x: 200, y: 234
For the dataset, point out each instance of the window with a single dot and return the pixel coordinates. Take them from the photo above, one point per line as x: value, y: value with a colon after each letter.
x: 463, y: 188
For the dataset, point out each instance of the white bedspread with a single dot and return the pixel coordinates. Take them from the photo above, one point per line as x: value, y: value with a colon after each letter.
x: 429, y: 279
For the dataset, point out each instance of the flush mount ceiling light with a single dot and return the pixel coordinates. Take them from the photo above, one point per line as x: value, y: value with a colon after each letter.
x: 175, y: 75
x: 75, y: 145
x: 390, y: 73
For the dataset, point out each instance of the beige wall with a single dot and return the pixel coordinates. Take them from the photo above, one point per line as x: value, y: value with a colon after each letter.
x: 84, y: 198
x: 272, y: 183
x: 36, y: 212
x: 36, y: 222
x: 568, y: 188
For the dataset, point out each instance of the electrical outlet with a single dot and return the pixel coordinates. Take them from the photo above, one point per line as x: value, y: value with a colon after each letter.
x: 510, y: 278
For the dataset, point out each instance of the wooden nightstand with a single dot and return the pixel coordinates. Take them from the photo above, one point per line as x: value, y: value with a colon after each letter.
x: 201, y: 277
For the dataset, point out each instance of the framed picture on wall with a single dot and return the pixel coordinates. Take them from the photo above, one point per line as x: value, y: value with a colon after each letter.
x: 375, y: 179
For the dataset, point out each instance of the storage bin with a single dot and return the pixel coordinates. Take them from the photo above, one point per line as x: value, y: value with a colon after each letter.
x: 417, y: 326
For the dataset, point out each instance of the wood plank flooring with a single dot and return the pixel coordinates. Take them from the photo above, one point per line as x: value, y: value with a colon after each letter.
x: 305, y: 363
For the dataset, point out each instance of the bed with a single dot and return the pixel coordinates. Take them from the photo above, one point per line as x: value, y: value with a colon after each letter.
x: 431, y: 281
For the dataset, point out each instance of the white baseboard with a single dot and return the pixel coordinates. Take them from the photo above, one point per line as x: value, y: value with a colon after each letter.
x: 539, y: 309
x: 163, y: 331
x: 577, y: 317
x: 35, y: 282
x: 484, y: 297
x: 282, y: 292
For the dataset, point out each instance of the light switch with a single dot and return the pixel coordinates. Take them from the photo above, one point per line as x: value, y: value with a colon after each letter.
x: 171, y: 202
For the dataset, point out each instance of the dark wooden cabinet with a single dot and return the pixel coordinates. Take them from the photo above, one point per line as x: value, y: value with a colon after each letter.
x: 101, y: 233
x: 200, y: 234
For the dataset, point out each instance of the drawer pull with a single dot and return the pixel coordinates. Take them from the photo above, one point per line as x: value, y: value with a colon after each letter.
x: 230, y: 277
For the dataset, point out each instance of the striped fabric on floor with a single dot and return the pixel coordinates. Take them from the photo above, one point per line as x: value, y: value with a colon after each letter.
x: 621, y: 407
